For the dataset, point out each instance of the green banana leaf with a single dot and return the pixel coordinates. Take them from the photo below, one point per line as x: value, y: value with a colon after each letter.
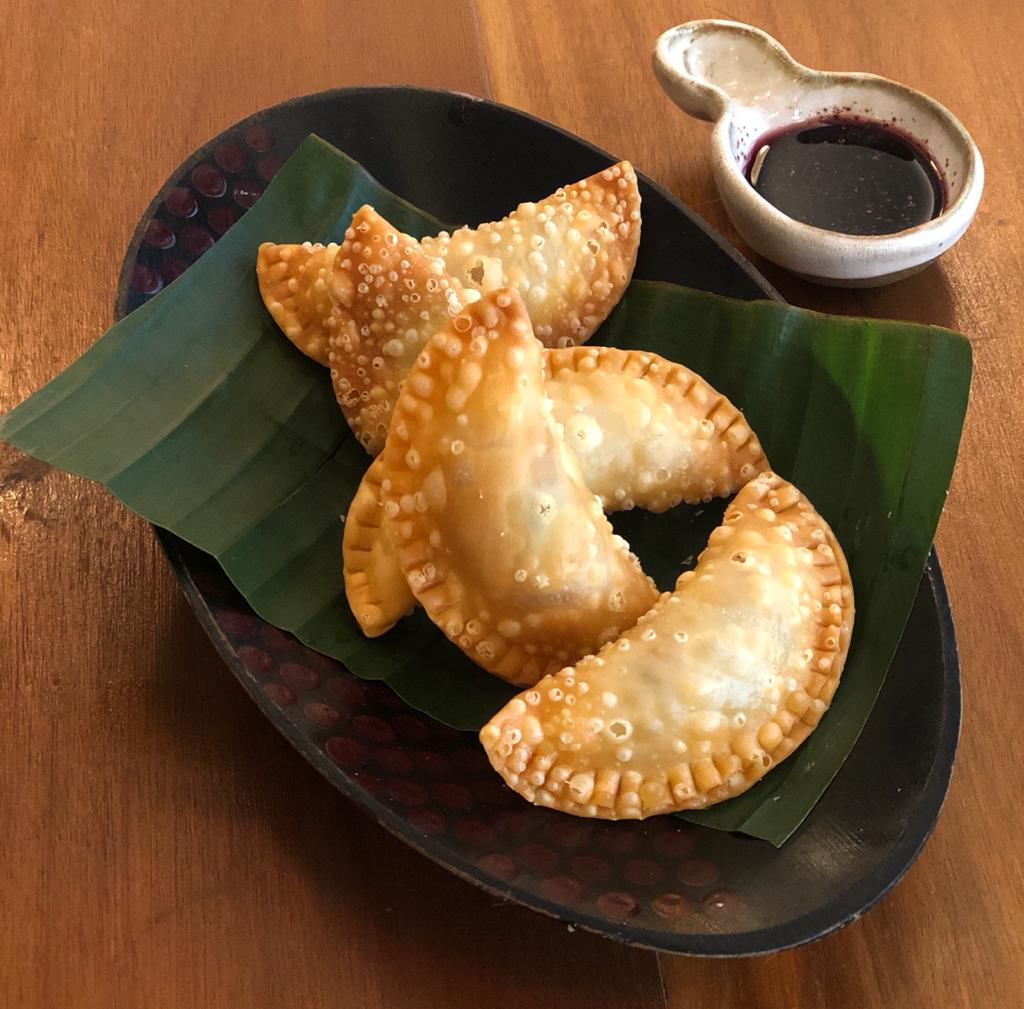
x: 198, y: 414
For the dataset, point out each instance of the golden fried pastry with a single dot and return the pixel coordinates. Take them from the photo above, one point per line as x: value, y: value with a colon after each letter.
x: 498, y: 536
x: 394, y: 297
x: 717, y: 684
x: 366, y: 307
x: 375, y: 584
x: 570, y: 256
x: 301, y: 288
x: 647, y: 432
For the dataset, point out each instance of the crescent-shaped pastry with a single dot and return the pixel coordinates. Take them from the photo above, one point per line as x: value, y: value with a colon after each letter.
x: 570, y: 256
x: 375, y: 584
x: 717, y: 684
x: 498, y: 536
x: 395, y: 299
x: 301, y: 288
x: 647, y: 432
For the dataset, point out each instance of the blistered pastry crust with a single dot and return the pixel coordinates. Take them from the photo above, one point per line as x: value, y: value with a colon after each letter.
x: 648, y: 433
x: 570, y: 256
x: 298, y: 286
x: 375, y: 584
x: 713, y: 687
x: 499, y: 538
x: 395, y: 297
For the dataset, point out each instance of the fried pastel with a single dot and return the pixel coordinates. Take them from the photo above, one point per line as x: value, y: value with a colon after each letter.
x: 395, y: 297
x: 717, y: 684
x: 301, y: 288
x: 570, y: 256
x: 648, y: 432
x: 375, y: 584
x: 498, y: 536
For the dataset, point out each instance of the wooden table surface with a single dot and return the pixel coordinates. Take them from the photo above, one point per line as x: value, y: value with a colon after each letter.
x: 162, y: 844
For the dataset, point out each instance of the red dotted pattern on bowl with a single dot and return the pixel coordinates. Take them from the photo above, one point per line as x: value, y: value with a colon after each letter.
x: 202, y: 207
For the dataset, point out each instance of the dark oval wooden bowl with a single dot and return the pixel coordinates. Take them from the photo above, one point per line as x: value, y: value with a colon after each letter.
x: 661, y: 883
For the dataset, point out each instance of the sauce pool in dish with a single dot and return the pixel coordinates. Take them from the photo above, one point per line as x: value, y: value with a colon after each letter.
x: 848, y: 175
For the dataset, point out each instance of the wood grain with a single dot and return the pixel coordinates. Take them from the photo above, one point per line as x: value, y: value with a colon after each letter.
x: 163, y: 845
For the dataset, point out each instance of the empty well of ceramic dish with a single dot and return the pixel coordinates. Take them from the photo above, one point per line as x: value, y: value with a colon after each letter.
x: 744, y: 81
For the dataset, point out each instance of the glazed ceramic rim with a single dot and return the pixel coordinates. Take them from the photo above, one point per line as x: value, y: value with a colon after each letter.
x: 856, y: 900
x: 916, y: 243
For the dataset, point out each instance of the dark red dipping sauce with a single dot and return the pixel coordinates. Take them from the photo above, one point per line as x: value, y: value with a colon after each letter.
x: 852, y: 176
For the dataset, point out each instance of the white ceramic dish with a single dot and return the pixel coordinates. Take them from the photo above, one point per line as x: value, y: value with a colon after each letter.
x: 743, y: 80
